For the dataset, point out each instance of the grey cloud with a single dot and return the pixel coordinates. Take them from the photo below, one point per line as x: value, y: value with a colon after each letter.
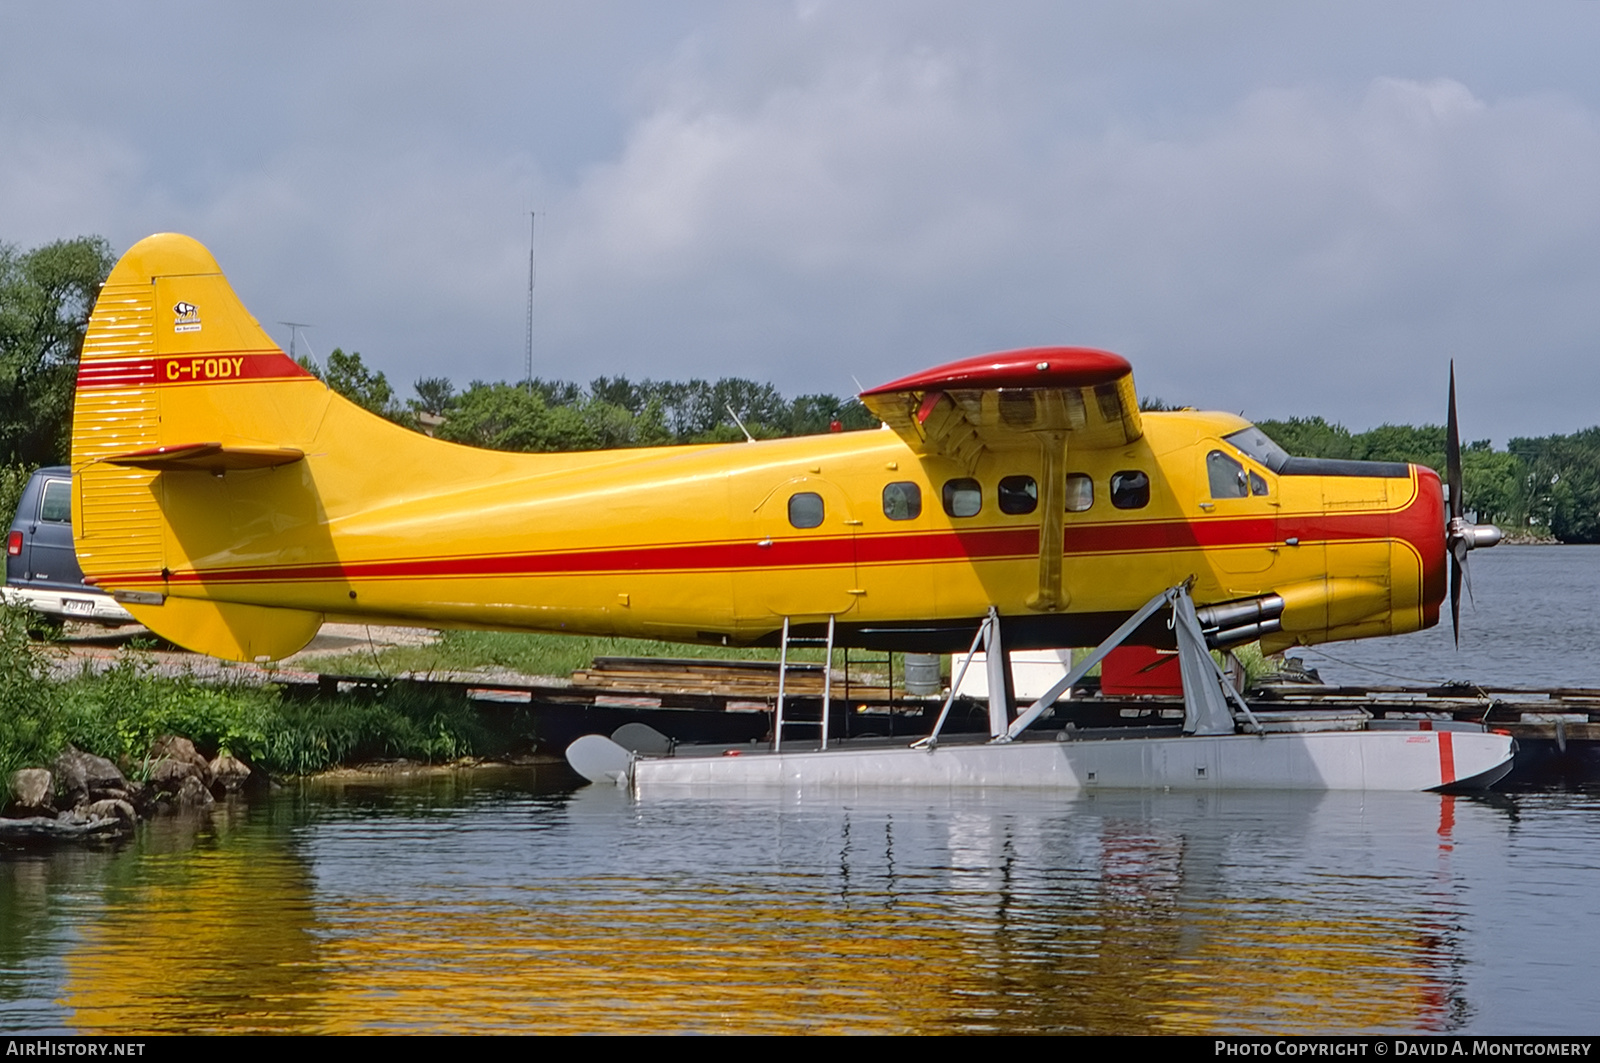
x: 1292, y: 209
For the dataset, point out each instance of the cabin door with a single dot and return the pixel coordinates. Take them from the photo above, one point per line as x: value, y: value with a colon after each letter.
x: 1236, y: 517
x: 801, y: 558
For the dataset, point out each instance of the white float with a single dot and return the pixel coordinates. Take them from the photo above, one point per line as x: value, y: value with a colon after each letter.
x: 1288, y: 751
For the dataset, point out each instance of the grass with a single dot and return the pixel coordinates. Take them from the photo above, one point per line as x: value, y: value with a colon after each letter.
x: 528, y: 654
x: 119, y: 713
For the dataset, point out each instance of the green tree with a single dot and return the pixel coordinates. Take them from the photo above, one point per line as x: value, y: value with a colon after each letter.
x: 510, y: 417
x: 349, y: 376
x: 435, y: 395
x: 1402, y: 442
x: 46, y: 295
x: 1492, y: 485
x: 1561, y: 488
x: 1310, y: 437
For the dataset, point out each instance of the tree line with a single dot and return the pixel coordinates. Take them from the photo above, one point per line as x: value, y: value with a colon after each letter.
x: 608, y: 412
x: 1545, y: 487
x: 1541, y: 487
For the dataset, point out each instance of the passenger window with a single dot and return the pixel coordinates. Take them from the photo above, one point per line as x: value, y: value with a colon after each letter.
x: 1130, y: 489
x: 805, y: 509
x: 902, y: 501
x: 1018, y: 494
x: 1258, y: 486
x: 1226, y: 476
x: 1080, y: 492
x: 962, y: 498
x: 57, y: 502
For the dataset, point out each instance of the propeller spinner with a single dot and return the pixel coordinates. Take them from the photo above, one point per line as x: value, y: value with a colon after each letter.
x: 1461, y: 535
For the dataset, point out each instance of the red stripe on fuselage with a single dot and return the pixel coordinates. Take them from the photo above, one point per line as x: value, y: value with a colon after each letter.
x: 988, y: 544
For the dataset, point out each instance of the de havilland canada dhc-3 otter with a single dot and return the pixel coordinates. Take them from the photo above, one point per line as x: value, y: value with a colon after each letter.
x: 233, y: 503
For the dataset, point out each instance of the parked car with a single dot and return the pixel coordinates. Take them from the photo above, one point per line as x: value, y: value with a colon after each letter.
x: 41, y: 566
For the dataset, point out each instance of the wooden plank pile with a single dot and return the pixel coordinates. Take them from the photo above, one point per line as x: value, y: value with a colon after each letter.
x: 747, y: 679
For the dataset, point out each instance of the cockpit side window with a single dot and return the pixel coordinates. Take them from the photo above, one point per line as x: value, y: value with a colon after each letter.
x: 1226, y: 476
x: 1254, y: 442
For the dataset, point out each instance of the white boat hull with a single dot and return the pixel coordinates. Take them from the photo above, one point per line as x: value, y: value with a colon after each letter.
x: 1323, y: 760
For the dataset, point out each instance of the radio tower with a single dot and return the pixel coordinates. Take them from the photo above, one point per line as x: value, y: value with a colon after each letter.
x: 533, y: 221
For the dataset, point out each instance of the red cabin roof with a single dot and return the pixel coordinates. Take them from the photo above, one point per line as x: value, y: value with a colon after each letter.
x: 1032, y: 367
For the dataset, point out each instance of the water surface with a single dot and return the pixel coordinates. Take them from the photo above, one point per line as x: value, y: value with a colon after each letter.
x: 496, y: 905
x: 512, y: 902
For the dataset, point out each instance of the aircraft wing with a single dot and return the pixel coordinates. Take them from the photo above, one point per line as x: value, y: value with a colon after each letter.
x: 1012, y: 400
x: 1043, y: 398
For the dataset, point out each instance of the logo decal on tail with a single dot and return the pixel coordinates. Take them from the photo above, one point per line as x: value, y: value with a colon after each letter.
x: 186, y: 317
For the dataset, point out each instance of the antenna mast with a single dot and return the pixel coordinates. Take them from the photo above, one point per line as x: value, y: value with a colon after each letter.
x: 533, y: 223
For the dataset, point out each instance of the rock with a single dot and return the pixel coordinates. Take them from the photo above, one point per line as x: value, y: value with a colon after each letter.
x: 175, y: 750
x: 84, y: 777
x: 31, y: 789
x: 168, y: 776
x: 229, y: 772
x: 193, y: 794
x: 108, y: 809
x: 65, y: 827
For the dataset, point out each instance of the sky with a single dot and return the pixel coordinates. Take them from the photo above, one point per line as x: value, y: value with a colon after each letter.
x: 1280, y: 209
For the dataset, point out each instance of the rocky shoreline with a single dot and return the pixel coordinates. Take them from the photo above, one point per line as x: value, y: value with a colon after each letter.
x: 84, y: 797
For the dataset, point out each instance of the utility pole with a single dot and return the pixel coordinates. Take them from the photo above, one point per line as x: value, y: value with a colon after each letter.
x: 294, y: 326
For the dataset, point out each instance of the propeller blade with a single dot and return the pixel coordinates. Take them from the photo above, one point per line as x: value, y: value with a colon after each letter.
x: 1452, y: 451
x: 1455, y: 597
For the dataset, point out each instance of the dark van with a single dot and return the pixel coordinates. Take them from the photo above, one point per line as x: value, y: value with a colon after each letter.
x: 41, y: 566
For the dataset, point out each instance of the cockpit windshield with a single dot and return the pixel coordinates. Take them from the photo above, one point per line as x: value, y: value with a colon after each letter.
x: 1254, y: 442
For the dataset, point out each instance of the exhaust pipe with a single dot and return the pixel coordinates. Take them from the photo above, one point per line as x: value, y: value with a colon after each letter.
x: 1237, y: 636
x: 1233, y: 623
x: 1248, y: 611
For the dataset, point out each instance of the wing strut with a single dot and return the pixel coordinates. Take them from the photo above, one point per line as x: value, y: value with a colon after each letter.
x: 1206, y: 691
x: 1052, y: 524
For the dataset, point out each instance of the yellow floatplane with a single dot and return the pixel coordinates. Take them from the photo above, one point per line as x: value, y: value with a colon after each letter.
x: 234, y: 503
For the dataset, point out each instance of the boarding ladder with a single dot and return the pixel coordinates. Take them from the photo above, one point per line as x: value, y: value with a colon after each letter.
x: 778, y: 722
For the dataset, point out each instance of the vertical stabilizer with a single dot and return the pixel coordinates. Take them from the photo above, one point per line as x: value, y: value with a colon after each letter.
x: 177, y: 380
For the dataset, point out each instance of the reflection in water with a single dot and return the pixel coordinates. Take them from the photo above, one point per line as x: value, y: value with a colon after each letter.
x: 482, y: 904
x: 210, y: 932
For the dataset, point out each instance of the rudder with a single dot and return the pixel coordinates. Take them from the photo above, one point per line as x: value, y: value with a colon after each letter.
x: 177, y: 379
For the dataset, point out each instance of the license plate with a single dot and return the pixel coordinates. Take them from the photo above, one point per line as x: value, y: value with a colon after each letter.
x: 78, y: 605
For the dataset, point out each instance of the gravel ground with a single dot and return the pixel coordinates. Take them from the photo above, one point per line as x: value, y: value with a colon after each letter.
x: 94, y: 648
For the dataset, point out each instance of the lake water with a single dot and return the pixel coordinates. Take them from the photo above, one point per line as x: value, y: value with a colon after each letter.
x: 507, y: 901
x: 1533, y: 620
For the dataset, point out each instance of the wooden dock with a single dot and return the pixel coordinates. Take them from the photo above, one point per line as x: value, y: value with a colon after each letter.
x: 697, y: 700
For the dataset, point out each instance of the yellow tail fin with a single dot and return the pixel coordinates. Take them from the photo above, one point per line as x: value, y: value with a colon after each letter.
x: 178, y: 385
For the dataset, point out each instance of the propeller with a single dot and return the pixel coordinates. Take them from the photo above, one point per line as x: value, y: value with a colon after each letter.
x: 1460, y: 534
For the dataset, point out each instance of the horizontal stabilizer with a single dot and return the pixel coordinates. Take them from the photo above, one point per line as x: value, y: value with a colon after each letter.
x: 229, y: 630
x: 207, y: 457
